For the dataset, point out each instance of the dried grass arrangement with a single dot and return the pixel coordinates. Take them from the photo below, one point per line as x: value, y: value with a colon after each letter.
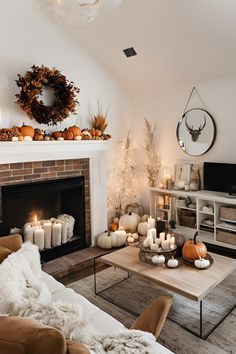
x: 152, y: 165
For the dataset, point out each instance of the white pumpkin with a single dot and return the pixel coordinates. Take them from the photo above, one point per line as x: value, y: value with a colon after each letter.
x: 144, y: 218
x: 118, y: 238
x: 135, y: 236
x: 201, y: 263
x: 129, y: 221
x: 142, y: 228
x: 158, y: 259
x: 104, y: 240
x: 130, y: 239
x: 172, y: 263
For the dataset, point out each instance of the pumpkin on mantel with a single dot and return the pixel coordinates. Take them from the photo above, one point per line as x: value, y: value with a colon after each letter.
x: 27, y: 130
x: 194, y: 249
x: 76, y: 131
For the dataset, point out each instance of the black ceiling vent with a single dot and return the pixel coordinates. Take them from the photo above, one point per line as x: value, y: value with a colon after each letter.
x: 129, y: 52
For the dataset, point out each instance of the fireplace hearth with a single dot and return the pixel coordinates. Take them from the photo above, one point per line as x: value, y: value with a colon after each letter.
x: 46, y: 199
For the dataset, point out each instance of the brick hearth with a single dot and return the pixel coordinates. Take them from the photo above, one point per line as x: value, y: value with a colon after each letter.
x: 26, y: 172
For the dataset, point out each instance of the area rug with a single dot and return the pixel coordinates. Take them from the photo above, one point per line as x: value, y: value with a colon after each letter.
x: 134, y: 294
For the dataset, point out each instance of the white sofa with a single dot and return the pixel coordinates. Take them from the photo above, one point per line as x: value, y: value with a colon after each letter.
x: 100, y: 320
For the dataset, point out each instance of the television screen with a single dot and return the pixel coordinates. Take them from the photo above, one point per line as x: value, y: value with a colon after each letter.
x: 219, y: 177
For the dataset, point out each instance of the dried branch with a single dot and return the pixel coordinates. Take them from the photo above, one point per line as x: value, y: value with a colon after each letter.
x: 153, y: 165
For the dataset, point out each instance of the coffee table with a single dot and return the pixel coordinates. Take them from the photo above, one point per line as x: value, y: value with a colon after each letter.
x: 187, y: 281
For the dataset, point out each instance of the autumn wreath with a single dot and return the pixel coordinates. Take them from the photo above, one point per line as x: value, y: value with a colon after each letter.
x: 32, y: 85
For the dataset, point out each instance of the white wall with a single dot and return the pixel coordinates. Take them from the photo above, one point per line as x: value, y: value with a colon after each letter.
x: 166, y: 109
x: 28, y: 38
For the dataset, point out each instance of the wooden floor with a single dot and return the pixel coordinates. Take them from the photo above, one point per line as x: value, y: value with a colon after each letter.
x: 76, y: 265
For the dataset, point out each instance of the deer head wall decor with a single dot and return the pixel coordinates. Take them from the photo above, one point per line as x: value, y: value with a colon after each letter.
x: 195, y: 132
x: 196, y: 123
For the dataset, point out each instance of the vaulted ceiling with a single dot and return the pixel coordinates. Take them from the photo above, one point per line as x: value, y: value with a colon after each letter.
x: 178, y: 42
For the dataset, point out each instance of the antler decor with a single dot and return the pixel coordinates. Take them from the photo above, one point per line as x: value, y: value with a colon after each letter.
x: 195, y: 132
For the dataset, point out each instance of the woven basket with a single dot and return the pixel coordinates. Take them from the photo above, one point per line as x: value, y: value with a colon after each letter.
x: 145, y: 254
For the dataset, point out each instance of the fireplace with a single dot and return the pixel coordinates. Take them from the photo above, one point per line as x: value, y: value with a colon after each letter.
x: 41, y: 203
x: 36, y: 162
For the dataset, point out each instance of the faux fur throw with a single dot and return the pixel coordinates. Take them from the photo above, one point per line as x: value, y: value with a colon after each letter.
x: 25, y: 295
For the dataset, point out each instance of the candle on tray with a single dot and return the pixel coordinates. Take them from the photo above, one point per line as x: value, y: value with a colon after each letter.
x: 47, y: 227
x: 172, y: 240
x: 157, y: 241
x: 162, y: 237
x: 39, y: 238
x: 152, y: 233
x: 56, y: 234
x: 148, y: 242
x: 168, y: 236
x: 165, y: 245
x: 35, y: 222
x: 154, y: 247
x: 151, y: 223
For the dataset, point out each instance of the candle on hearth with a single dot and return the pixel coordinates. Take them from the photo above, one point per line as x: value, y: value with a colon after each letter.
x: 47, y: 227
x: 151, y: 223
x: 162, y: 236
x: 56, y: 234
x: 29, y: 234
x: 39, y: 238
x: 35, y: 222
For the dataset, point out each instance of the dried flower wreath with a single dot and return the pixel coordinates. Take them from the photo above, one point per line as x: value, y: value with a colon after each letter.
x: 32, y: 84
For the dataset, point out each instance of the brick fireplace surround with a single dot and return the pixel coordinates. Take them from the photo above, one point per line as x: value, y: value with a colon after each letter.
x: 22, y: 162
x: 23, y: 172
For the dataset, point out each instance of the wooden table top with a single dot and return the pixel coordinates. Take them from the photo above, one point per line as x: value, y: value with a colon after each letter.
x: 187, y: 281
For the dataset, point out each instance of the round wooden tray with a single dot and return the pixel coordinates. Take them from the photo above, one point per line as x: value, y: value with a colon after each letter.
x: 145, y: 254
x: 190, y: 262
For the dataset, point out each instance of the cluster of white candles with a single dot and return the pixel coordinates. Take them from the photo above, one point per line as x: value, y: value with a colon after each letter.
x: 163, y: 242
x: 49, y: 233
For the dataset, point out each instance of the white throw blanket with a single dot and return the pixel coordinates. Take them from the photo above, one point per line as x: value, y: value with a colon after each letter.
x: 25, y: 295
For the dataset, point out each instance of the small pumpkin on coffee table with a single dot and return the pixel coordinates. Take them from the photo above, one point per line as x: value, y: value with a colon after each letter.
x: 194, y: 249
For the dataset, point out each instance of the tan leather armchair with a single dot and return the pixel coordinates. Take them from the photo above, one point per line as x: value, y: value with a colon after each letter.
x: 27, y: 336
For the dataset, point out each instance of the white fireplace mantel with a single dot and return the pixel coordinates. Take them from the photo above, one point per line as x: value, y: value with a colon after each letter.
x: 95, y: 151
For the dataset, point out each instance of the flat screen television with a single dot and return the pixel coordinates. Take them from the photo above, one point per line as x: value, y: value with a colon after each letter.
x: 219, y: 177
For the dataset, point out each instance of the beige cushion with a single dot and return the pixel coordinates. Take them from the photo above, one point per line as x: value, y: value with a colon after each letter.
x: 4, y: 253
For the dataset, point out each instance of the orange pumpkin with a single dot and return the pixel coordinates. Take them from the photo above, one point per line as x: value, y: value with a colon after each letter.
x: 193, y: 249
x: 27, y: 130
x: 114, y: 226
x: 57, y: 134
x: 75, y: 130
x: 16, y: 129
x: 98, y: 132
x: 68, y: 135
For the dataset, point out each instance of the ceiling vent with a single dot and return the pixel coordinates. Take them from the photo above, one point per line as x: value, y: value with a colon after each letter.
x: 129, y: 52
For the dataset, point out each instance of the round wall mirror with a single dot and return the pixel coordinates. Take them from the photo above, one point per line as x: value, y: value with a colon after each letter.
x: 196, y: 132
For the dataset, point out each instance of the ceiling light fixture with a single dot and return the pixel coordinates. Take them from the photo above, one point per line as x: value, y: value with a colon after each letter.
x: 83, y: 11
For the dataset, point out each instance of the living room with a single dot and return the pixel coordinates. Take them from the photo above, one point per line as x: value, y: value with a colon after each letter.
x: 144, y: 123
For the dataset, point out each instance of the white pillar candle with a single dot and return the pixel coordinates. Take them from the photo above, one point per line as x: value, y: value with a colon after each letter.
x: 154, y: 247
x: 168, y: 236
x: 151, y: 223
x: 165, y: 245
x: 157, y: 241
x: 148, y: 242
x: 39, y: 238
x: 56, y: 234
x: 162, y: 236
x: 152, y: 234
x: 29, y: 234
x: 172, y: 240
x: 172, y: 246
x: 47, y: 227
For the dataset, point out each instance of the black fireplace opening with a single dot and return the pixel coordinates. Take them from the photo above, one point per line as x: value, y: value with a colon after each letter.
x: 22, y: 203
